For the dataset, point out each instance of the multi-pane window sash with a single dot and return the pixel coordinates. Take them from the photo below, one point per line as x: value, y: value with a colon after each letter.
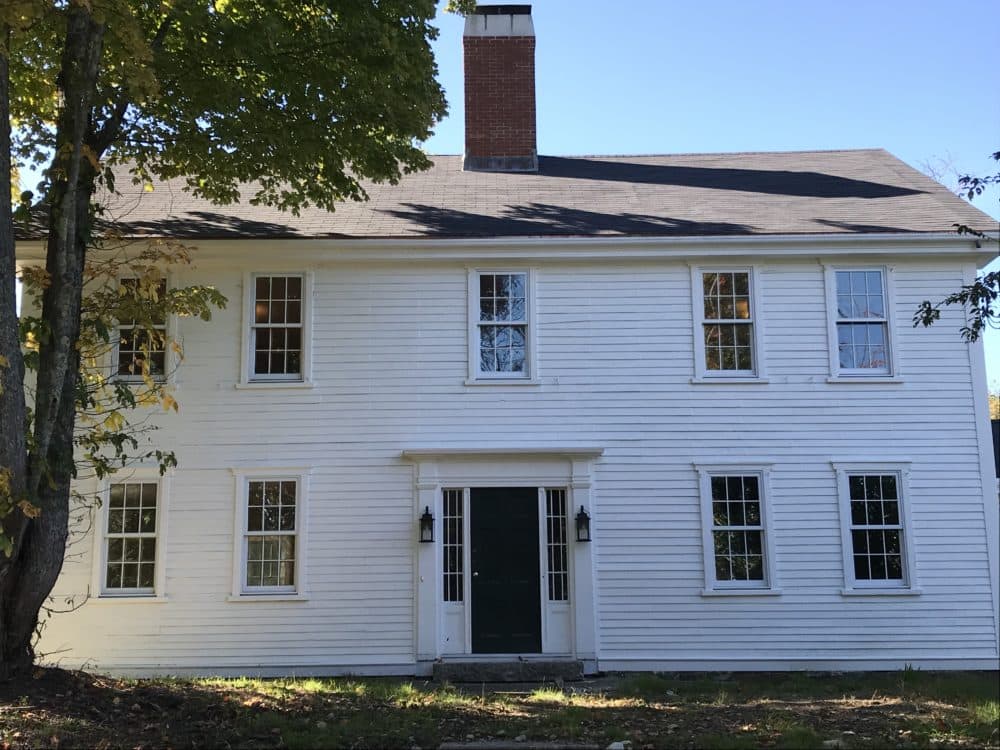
x: 862, y: 325
x: 876, y: 528
x: 130, y: 538
x: 276, y: 332
x: 737, y: 529
x: 141, y: 345
x: 558, y: 558
x: 270, y: 536
x: 453, y: 546
x: 728, y: 321
x: 502, y: 327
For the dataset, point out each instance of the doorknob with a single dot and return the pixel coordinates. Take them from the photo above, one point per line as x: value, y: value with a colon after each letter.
x: 475, y: 573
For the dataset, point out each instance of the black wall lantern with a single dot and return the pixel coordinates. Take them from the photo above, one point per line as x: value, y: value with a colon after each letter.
x: 427, y: 526
x: 582, y: 526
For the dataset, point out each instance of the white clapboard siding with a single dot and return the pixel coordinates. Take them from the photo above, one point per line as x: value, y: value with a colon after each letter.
x: 615, y: 360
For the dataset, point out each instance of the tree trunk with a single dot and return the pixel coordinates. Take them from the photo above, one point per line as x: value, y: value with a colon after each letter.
x: 13, y: 450
x: 37, y: 559
x: 13, y: 440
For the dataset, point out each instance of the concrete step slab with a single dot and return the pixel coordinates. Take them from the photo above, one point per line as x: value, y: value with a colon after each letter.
x: 562, y: 670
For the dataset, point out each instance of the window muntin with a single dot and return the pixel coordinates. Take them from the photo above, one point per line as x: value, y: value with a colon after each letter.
x: 276, y: 331
x: 556, y: 548
x: 453, y: 546
x: 130, y: 538
x: 139, y: 344
x: 727, y: 322
x: 737, y: 529
x: 862, y: 324
x: 270, y: 538
x: 876, y: 528
x: 502, y: 325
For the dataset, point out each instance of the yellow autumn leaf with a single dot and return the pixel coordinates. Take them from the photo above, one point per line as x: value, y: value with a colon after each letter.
x: 31, y: 511
x: 114, y: 421
x: 169, y: 402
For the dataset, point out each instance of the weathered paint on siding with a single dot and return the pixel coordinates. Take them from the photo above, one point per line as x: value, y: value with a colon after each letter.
x: 615, y: 362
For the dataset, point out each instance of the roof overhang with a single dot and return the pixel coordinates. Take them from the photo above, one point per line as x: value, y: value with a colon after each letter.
x: 227, y: 251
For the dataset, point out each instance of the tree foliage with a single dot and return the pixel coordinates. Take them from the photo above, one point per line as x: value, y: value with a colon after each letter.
x: 289, y: 103
x: 981, y: 299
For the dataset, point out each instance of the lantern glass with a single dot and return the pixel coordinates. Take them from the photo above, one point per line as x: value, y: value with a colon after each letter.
x: 582, y: 526
x: 426, y: 526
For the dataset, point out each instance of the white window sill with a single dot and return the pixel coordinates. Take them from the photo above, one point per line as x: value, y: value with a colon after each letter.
x: 741, y: 592
x: 127, y: 599
x: 865, y: 379
x: 881, y: 592
x: 730, y: 380
x: 503, y: 381
x: 275, y: 385
x: 254, y: 598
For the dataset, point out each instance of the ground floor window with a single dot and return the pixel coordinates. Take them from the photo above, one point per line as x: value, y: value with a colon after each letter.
x: 130, y: 537
x: 736, y: 536
x: 555, y: 544
x: 454, y: 548
x: 875, y: 531
x: 270, y: 523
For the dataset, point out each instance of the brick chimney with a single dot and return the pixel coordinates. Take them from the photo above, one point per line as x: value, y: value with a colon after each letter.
x: 499, y: 43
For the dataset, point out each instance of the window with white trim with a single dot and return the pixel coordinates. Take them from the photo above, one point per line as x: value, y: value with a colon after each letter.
x: 736, y: 537
x: 877, y: 544
x: 277, y: 328
x: 453, y: 546
x: 499, y: 345
x: 726, y: 328
x: 141, y: 345
x: 556, y: 523
x: 130, y: 531
x: 271, y: 535
x: 860, y: 322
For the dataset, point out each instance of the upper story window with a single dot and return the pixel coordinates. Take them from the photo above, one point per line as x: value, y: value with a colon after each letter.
x: 500, y: 336
x: 859, y: 301
x: 862, y: 325
x: 276, y: 331
x: 726, y: 328
x: 141, y: 346
x: 129, y: 539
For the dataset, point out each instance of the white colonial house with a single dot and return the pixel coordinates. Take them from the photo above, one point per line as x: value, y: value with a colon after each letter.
x: 657, y: 412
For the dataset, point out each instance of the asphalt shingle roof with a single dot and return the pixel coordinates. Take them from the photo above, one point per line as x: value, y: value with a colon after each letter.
x: 815, y: 192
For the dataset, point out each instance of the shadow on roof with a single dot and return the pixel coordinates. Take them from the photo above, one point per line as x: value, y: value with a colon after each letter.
x: 773, y: 182
x: 207, y: 224
x: 534, y: 219
x: 863, y: 228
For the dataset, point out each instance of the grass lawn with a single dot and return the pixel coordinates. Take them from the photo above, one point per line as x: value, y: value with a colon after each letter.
x: 58, y: 709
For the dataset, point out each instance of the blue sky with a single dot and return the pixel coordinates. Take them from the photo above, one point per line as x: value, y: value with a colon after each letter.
x: 916, y: 77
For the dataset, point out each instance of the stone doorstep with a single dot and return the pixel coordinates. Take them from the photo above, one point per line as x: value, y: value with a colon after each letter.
x: 566, y: 670
x: 513, y: 745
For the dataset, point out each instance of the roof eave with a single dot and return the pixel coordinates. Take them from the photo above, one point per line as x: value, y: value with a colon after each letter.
x: 582, y: 247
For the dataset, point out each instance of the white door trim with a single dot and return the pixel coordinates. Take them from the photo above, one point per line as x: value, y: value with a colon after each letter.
x: 439, y: 469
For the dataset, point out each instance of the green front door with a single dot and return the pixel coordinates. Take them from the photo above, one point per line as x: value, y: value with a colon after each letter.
x: 506, y: 608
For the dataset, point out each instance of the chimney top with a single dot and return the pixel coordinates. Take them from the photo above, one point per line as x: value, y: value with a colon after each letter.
x: 502, y: 10
x: 499, y: 43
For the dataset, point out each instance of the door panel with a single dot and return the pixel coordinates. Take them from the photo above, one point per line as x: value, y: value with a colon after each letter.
x: 503, y: 537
